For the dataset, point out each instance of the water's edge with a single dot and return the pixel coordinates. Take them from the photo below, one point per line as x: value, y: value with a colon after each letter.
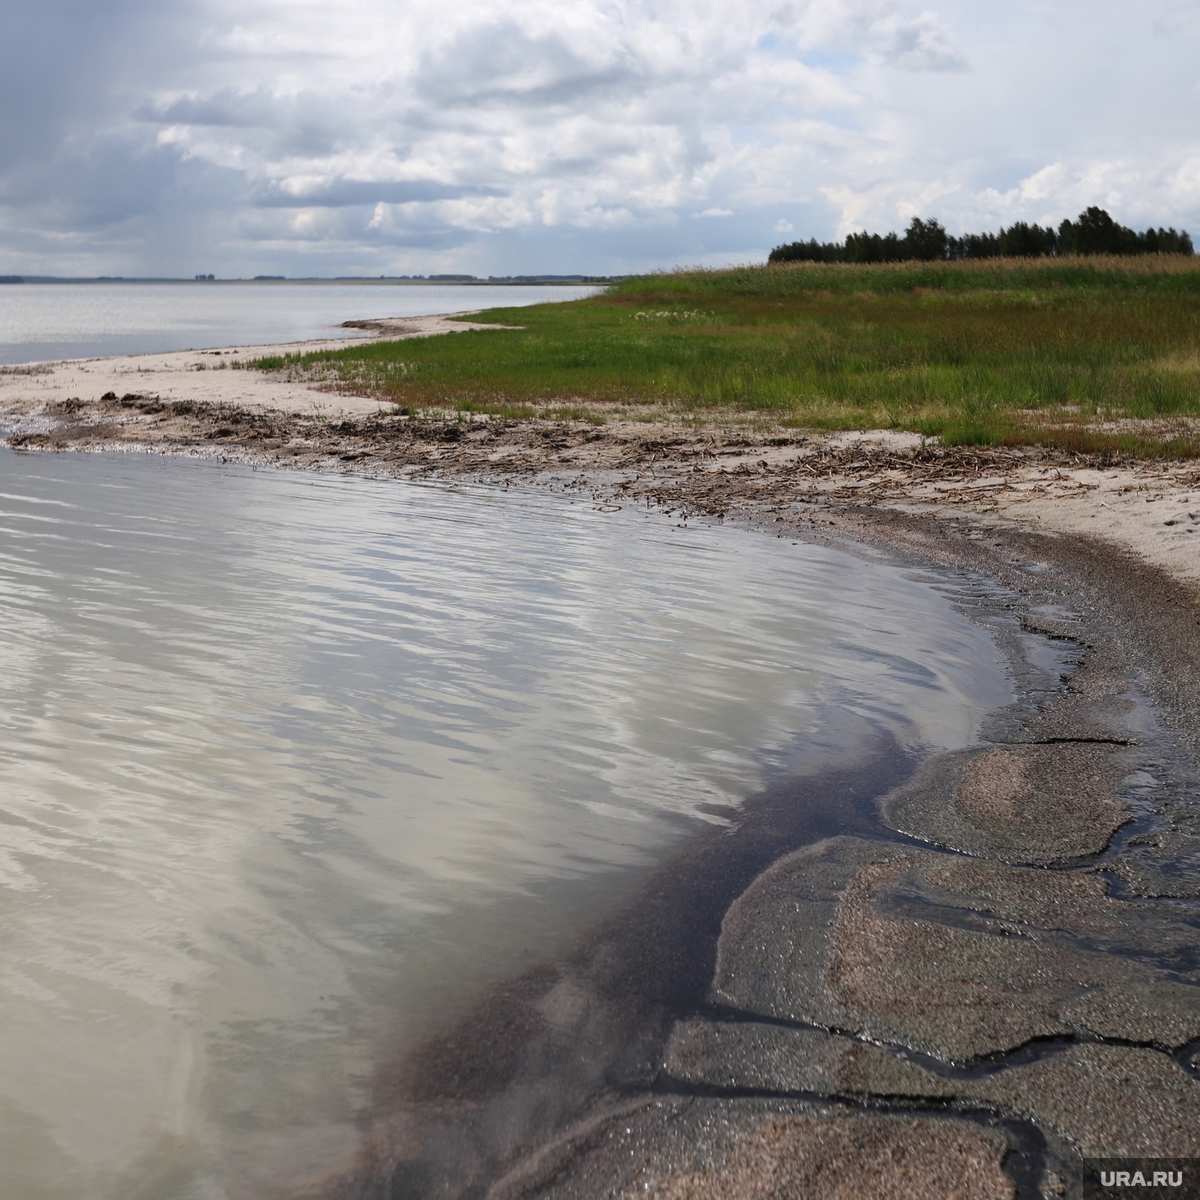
x: 485, y: 1107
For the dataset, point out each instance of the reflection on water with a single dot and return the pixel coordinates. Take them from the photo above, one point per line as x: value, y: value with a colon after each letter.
x: 290, y: 764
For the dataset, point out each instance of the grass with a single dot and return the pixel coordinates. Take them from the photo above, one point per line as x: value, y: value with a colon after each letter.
x: 1088, y: 354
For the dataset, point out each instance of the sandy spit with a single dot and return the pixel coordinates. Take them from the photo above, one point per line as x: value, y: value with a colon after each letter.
x: 205, y: 377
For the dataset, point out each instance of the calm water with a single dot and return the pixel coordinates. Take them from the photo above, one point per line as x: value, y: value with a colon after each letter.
x: 291, y: 764
x: 46, y: 321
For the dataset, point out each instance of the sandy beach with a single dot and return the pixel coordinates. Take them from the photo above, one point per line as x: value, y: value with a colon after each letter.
x: 965, y: 975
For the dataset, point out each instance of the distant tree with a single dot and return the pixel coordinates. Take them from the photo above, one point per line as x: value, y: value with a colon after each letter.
x: 1018, y: 241
x: 810, y: 251
x: 1027, y: 241
x: 865, y: 247
x: 871, y: 247
x: 1167, y: 241
x: 925, y: 240
x: 973, y: 245
x: 1094, y: 232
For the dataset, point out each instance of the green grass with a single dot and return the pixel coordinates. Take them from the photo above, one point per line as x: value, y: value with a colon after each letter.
x: 1002, y: 351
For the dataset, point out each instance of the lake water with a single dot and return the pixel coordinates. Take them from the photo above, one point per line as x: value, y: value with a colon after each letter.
x: 293, y: 765
x: 42, y: 322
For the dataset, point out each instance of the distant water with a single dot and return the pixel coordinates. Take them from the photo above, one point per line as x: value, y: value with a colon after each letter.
x: 41, y: 322
x: 291, y: 765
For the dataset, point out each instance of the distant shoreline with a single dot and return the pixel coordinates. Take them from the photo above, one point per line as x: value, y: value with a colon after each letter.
x: 387, y: 280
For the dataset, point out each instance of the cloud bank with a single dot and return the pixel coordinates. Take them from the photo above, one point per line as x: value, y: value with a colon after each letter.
x: 372, y: 137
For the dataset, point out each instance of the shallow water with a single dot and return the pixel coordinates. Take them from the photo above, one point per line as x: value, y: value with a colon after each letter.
x: 41, y: 322
x: 293, y: 765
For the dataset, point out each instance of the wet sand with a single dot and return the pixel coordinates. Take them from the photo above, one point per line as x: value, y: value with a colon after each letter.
x: 960, y: 976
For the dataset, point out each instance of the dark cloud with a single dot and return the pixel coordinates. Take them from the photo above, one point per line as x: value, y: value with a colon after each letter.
x: 56, y: 69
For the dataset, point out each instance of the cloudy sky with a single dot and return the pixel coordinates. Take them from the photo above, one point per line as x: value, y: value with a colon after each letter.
x: 319, y: 137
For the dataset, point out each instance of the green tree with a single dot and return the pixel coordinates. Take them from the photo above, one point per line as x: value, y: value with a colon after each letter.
x: 925, y: 240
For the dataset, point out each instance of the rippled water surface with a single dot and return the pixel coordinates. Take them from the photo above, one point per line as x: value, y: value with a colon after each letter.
x: 47, y: 321
x: 292, y: 764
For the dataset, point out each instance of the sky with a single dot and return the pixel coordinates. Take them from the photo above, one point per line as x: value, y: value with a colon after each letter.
x: 496, y: 137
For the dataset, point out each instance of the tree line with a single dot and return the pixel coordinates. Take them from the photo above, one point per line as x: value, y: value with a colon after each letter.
x: 1094, y: 232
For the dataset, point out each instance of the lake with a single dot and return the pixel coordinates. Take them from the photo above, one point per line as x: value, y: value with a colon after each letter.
x: 294, y: 765
x: 42, y: 322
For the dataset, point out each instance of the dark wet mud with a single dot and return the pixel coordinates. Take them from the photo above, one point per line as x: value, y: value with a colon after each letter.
x: 541, y: 1050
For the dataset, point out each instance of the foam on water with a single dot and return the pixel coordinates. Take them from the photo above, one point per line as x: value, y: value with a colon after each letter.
x: 292, y: 765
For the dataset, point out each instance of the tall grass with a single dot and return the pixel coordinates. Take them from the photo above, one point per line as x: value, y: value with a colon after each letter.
x: 991, y: 351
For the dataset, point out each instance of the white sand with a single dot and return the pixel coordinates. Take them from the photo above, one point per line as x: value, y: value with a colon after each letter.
x: 1151, y: 509
x: 197, y: 375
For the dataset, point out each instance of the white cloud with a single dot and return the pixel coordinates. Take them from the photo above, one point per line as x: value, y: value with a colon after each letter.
x: 518, y: 135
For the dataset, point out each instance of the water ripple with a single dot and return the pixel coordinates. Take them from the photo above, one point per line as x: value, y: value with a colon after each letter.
x: 291, y: 764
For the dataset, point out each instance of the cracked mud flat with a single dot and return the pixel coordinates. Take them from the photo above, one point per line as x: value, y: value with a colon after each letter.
x: 956, y: 977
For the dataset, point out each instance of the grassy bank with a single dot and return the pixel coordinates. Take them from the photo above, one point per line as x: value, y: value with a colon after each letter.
x: 1089, y: 354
